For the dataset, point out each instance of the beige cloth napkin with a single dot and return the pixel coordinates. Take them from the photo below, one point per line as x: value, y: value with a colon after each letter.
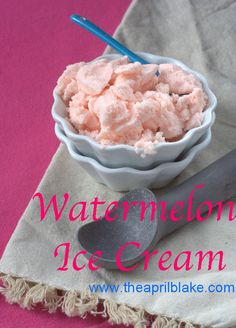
x: 202, y: 34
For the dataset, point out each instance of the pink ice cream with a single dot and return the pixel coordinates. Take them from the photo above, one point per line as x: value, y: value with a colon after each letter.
x: 117, y: 102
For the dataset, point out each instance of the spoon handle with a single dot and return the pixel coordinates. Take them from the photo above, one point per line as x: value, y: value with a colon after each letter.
x: 219, y: 180
x: 85, y: 23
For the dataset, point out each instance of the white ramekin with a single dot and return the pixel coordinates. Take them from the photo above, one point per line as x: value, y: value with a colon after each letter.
x: 116, y: 156
x: 126, y: 178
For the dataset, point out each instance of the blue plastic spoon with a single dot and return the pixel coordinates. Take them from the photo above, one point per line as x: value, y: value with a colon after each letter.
x: 85, y: 23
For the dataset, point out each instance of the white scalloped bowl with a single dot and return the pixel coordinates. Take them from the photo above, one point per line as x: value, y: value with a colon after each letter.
x: 126, y: 178
x: 116, y: 156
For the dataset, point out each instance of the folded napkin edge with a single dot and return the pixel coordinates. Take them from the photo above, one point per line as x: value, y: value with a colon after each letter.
x: 28, y: 294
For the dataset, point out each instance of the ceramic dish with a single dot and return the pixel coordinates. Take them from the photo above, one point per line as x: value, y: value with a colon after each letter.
x: 124, y: 155
x: 126, y: 178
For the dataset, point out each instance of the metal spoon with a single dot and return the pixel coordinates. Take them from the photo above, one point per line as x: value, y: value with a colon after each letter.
x: 219, y: 181
x: 94, y: 29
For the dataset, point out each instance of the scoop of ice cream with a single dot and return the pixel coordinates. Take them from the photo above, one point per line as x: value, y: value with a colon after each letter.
x: 67, y: 85
x: 178, y: 80
x: 80, y: 115
x: 93, y: 78
x: 117, y: 102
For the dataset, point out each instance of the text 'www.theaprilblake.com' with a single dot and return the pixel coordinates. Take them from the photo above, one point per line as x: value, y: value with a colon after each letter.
x: 166, y: 287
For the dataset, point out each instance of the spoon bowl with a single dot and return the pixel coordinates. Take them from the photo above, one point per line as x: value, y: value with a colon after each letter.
x: 128, y: 226
x: 215, y: 183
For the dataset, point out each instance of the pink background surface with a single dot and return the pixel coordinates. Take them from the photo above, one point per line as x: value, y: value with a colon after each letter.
x: 37, y: 41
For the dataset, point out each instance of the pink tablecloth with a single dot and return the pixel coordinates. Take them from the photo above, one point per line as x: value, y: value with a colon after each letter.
x: 37, y: 41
